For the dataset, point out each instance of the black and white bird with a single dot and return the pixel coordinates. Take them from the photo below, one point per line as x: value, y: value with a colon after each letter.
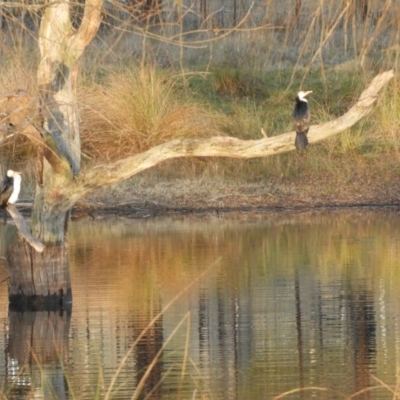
x: 10, y: 188
x: 301, y: 119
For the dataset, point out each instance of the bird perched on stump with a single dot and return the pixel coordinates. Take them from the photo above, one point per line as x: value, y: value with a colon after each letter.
x: 301, y: 119
x: 9, y: 189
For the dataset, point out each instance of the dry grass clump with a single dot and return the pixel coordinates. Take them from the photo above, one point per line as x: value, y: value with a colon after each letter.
x: 17, y: 63
x: 135, y: 110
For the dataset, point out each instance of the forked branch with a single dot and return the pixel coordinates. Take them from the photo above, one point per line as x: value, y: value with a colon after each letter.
x: 90, y: 24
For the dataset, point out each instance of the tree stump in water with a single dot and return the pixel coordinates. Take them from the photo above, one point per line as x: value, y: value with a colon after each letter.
x: 39, y: 281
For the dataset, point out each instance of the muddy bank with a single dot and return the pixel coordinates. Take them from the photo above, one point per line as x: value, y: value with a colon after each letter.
x: 147, y: 199
x: 200, y: 197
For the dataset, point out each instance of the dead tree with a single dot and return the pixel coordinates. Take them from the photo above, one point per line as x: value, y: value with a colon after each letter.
x: 40, y: 277
x: 43, y: 278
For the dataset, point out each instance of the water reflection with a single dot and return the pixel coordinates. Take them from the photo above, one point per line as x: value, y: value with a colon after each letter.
x: 264, y: 305
x: 36, y: 350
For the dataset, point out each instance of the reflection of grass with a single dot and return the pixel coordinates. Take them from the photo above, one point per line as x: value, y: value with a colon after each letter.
x: 171, y: 244
x: 46, y: 369
x: 313, y: 391
x: 165, y: 342
x: 36, y: 380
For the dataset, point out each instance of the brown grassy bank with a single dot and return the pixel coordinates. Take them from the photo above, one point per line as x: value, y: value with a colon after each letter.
x: 144, y: 82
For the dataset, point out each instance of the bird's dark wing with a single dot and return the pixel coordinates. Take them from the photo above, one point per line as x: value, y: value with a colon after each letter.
x: 6, y: 188
x: 302, y: 125
x: 301, y: 119
x: 4, y: 184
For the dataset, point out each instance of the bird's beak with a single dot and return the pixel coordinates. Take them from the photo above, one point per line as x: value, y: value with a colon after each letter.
x: 306, y: 93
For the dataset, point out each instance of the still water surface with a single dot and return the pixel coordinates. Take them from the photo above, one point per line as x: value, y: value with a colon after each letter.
x: 217, y: 308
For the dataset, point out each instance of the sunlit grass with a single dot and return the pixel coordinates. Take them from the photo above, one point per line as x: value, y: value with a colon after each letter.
x: 147, y: 83
x: 136, y: 109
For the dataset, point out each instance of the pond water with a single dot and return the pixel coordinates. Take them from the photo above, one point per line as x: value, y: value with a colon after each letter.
x: 217, y: 307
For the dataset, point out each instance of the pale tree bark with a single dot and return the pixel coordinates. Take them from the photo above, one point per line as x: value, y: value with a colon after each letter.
x: 44, y: 278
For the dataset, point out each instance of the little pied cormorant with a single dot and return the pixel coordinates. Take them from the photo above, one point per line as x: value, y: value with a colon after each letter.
x: 10, y: 188
x: 301, y: 119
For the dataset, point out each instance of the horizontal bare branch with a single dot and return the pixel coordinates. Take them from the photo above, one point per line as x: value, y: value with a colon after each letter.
x: 222, y: 146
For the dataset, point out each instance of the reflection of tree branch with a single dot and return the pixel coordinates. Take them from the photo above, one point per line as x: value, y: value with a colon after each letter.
x: 23, y: 229
x: 222, y: 146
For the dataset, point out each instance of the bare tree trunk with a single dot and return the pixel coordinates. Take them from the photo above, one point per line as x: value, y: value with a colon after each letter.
x: 44, y: 279
x: 46, y: 284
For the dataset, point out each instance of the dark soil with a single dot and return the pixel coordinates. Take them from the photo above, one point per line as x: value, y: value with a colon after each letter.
x: 197, y: 197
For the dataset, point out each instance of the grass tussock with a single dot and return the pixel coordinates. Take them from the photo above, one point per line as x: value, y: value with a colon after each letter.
x: 136, y: 109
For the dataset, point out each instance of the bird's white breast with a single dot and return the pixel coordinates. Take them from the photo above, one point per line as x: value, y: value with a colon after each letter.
x: 17, y: 188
